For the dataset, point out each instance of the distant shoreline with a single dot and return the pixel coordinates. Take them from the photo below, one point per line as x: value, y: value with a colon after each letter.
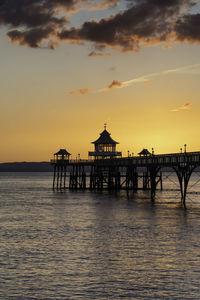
x: 26, y: 167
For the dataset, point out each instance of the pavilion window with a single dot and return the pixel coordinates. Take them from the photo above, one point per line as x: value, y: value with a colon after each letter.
x: 100, y: 148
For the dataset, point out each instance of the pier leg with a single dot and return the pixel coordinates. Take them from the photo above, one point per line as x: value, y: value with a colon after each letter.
x: 64, y: 177
x: 145, y: 181
x: 91, y: 180
x: 54, y: 176
x: 135, y: 180
x: 161, y: 182
x: 118, y: 180
x: 131, y: 178
x: 61, y: 177
x: 153, y: 172
x: 184, y: 173
x: 58, y: 176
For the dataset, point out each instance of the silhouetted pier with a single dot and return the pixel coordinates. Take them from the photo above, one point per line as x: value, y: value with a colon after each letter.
x: 107, y: 169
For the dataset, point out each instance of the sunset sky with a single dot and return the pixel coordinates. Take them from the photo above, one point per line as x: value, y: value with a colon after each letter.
x: 69, y: 66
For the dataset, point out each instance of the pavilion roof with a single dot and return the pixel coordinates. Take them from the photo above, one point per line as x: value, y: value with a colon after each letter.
x: 144, y: 152
x: 105, y: 138
x: 62, y: 152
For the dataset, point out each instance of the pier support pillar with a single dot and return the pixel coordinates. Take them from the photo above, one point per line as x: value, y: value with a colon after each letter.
x: 154, y: 179
x: 131, y: 178
x: 54, y: 176
x: 161, y: 181
x: 146, y: 180
x: 59, y: 177
x: 77, y: 178
x: 184, y: 172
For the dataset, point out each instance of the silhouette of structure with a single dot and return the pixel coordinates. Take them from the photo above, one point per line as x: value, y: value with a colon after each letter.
x: 144, y: 152
x: 109, y: 170
x: 61, y: 159
x: 105, y: 146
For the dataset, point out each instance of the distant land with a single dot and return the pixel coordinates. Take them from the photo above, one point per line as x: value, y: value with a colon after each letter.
x: 26, y: 167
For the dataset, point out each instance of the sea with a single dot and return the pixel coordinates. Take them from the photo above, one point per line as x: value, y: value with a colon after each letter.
x: 97, y: 244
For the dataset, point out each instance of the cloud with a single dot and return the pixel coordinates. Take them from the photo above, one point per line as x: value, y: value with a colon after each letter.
x: 190, y: 69
x: 83, y: 91
x: 188, y: 28
x: 146, y: 79
x: 145, y: 22
x: 103, y: 5
x: 142, y: 23
x: 32, y: 37
x: 147, y: 83
x: 185, y: 107
x: 30, y: 22
x: 114, y: 84
x: 98, y: 54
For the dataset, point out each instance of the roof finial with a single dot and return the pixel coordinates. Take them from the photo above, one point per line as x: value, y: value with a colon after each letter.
x: 105, y: 125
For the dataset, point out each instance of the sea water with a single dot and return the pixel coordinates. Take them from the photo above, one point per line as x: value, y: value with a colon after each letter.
x: 97, y: 245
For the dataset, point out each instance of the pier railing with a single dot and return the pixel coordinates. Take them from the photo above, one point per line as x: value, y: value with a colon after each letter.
x: 161, y: 159
x: 70, y: 161
x: 169, y: 159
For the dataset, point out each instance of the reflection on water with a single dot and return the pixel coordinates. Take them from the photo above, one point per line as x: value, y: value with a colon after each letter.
x: 83, y: 245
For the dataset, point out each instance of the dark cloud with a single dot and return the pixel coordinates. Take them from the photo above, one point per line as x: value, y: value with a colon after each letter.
x: 31, y: 37
x: 144, y: 22
x: 30, y: 13
x: 188, y: 28
x: 34, y: 20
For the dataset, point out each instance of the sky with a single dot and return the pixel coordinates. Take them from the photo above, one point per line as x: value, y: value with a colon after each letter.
x: 69, y: 66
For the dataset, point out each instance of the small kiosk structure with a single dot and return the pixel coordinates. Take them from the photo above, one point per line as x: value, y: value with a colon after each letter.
x: 105, y: 147
x: 62, y: 155
x: 144, y: 152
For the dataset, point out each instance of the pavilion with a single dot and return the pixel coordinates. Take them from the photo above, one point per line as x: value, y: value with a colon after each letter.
x: 62, y: 154
x: 144, y: 152
x: 104, y: 146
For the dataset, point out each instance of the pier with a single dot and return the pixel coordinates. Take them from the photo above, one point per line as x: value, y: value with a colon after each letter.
x: 107, y: 169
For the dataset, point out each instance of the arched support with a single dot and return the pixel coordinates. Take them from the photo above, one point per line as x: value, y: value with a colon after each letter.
x: 154, y: 179
x: 184, y: 172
